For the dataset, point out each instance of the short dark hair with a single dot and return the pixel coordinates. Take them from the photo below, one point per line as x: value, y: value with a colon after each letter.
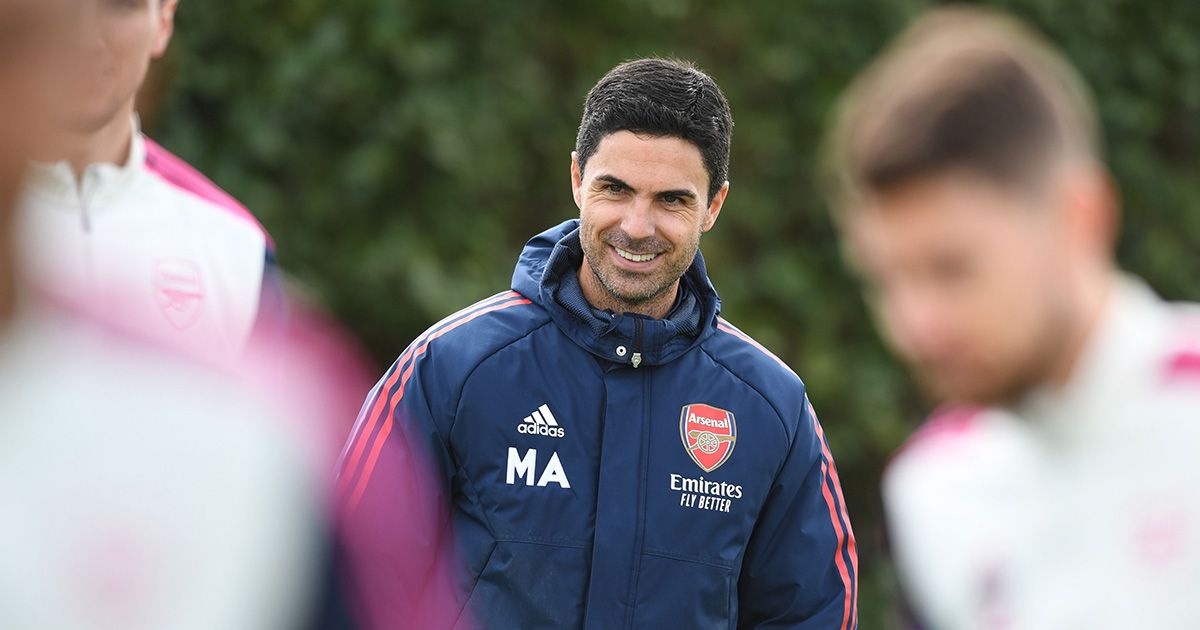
x: 660, y: 97
x: 963, y: 88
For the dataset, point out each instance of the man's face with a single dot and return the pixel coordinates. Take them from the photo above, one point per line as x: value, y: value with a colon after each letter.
x: 968, y: 282
x: 643, y: 206
x: 102, y: 72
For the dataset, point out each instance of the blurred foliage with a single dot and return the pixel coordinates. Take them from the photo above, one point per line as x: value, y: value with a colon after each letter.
x: 402, y: 151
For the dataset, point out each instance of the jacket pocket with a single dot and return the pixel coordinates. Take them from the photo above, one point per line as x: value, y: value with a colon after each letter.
x: 465, y: 620
x: 678, y: 593
x: 530, y: 586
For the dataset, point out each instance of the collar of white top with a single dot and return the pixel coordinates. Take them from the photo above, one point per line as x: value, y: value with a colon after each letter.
x: 100, y: 182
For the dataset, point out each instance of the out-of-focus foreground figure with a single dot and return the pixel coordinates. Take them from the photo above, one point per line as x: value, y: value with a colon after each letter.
x: 140, y: 490
x: 1057, y: 489
x: 114, y: 221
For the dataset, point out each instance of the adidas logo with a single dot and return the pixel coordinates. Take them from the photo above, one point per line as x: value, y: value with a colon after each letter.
x: 541, y: 422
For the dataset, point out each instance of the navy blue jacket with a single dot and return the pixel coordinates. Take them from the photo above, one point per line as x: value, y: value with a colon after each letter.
x: 598, y: 471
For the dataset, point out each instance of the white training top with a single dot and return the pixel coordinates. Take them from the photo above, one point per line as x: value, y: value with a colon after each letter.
x: 1074, y: 509
x: 145, y: 493
x: 152, y: 244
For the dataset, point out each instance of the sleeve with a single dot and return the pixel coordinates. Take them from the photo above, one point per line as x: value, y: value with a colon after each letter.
x: 801, y: 567
x: 393, y: 498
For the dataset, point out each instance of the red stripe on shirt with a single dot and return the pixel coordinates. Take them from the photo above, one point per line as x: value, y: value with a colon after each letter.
x: 394, y: 400
x: 841, y: 539
x: 829, y: 478
x: 723, y: 324
x: 365, y: 429
x: 183, y: 176
x: 852, y: 546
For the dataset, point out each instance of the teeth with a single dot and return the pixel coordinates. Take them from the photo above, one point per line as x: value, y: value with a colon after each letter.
x: 635, y: 257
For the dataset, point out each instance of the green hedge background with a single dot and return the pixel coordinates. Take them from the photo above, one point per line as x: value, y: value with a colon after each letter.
x: 402, y: 151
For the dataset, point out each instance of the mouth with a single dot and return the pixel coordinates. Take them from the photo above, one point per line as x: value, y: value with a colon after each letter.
x: 632, y: 257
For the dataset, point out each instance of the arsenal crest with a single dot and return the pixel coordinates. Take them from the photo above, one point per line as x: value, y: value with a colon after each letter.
x: 708, y: 435
x: 178, y: 291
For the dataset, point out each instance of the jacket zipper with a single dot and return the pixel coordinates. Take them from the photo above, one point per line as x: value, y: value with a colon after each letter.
x: 636, y: 359
x: 82, y: 194
x: 643, y: 484
x: 85, y: 219
x: 85, y: 213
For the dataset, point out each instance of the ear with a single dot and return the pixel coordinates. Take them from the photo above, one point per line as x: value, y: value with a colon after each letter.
x: 165, y: 26
x: 1092, y: 207
x: 714, y: 208
x: 576, y: 181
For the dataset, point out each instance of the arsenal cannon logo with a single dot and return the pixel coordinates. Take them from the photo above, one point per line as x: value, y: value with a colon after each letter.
x: 708, y: 435
x: 179, y: 291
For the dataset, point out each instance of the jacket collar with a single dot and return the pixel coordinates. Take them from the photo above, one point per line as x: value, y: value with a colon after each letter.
x: 99, y: 184
x: 548, y: 273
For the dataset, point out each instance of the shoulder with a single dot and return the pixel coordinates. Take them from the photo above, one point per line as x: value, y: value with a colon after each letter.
x: 761, y: 370
x: 947, y: 428
x: 184, y: 180
x: 958, y: 448
x: 461, y: 341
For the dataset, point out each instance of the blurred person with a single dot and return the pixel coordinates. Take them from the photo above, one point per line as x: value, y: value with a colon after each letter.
x: 140, y: 491
x: 606, y: 449
x: 113, y: 220
x: 1057, y: 487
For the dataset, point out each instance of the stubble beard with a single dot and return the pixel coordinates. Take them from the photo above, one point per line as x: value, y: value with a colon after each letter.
x: 631, y: 292
x: 1027, y: 373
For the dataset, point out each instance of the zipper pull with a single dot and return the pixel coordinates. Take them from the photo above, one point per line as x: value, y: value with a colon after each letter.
x: 636, y: 359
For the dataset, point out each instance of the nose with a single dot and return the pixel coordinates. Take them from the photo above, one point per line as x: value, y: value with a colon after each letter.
x: 638, y: 218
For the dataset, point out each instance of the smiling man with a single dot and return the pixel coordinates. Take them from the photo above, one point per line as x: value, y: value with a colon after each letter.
x: 114, y: 221
x: 610, y: 452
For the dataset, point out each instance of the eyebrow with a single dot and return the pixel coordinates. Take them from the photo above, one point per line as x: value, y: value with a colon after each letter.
x: 612, y: 179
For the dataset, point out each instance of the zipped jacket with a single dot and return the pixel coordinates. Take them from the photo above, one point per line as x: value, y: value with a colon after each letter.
x: 597, y: 470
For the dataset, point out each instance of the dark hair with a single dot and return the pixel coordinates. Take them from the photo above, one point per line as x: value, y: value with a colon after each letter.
x: 660, y: 97
x: 998, y: 125
x: 962, y: 88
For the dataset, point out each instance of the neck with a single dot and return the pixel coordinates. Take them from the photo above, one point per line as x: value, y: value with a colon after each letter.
x: 599, y: 297
x: 1092, y: 297
x: 109, y: 144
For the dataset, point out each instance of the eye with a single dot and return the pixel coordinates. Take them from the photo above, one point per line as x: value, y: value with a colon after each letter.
x: 672, y: 199
x: 614, y: 188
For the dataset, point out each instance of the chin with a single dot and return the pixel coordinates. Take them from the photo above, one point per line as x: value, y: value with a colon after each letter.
x: 982, y: 390
x: 86, y: 120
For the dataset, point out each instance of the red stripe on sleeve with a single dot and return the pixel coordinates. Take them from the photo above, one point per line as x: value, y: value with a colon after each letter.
x: 394, y: 400
x: 363, y: 435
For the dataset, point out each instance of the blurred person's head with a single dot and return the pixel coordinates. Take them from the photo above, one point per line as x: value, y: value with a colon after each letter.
x: 649, y: 174
x: 967, y: 183
x: 105, y: 65
x: 30, y: 30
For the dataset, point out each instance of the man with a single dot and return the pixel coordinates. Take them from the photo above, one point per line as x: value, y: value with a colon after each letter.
x: 612, y: 453
x: 1058, y: 487
x: 114, y: 220
x: 140, y: 491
